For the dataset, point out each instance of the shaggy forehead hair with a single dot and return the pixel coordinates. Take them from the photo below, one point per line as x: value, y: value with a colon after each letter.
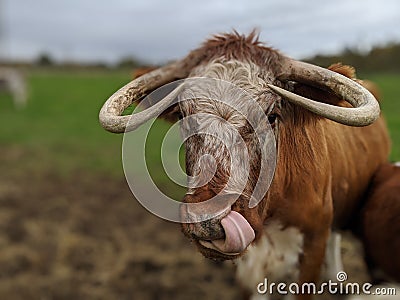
x: 222, y: 110
x: 241, y: 82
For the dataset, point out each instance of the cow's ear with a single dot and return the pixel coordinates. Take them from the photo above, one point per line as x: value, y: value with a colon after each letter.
x: 350, y: 72
x: 345, y: 70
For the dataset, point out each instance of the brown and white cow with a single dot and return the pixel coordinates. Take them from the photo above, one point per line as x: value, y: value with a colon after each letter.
x: 327, y: 153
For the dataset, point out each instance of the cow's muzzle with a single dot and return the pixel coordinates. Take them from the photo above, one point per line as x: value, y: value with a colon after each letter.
x: 224, y: 236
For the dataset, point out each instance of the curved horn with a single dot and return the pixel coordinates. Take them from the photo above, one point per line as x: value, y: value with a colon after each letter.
x: 365, y: 107
x: 110, y: 114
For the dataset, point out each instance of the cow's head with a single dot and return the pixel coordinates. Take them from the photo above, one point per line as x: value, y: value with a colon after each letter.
x: 224, y: 135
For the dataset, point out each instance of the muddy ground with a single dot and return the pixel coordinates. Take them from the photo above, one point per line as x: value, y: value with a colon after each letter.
x: 83, y: 236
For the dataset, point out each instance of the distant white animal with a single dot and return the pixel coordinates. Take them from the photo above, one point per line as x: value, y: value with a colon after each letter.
x: 13, y: 81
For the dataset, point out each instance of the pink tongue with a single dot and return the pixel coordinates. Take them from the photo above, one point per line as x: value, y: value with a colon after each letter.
x: 238, y: 234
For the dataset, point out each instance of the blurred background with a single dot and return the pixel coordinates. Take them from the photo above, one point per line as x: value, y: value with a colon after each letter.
x: 69, y: 226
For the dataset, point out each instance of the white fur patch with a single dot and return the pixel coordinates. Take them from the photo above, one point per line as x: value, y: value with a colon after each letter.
x: 397, y: 164
x: 275, y: 257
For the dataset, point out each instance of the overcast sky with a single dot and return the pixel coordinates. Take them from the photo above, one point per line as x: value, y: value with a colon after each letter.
x: 157, y: 30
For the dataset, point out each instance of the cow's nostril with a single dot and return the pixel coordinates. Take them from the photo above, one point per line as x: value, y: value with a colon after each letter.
x: 204, y: 219
x: 208, y: 230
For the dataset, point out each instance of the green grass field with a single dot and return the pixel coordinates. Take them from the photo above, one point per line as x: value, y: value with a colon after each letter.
x: 390, y: 89
x: 59, y: 128
x: 60, y: 123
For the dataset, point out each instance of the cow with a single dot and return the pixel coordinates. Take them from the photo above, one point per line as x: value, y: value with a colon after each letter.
x: 330, y: 139
x: 379, y: 224
x: 12, y: 81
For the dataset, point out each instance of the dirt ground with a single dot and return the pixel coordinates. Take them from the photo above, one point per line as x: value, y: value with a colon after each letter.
x: 83, y: 236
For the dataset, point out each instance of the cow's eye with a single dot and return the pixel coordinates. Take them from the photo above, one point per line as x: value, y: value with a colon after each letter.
x: 272, y: 118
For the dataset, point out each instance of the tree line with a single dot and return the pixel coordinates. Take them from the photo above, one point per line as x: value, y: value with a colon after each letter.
x: 378, y: 59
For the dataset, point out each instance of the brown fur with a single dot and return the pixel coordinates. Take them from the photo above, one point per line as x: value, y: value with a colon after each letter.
x: 302, y: 195
x: 380, y: 223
